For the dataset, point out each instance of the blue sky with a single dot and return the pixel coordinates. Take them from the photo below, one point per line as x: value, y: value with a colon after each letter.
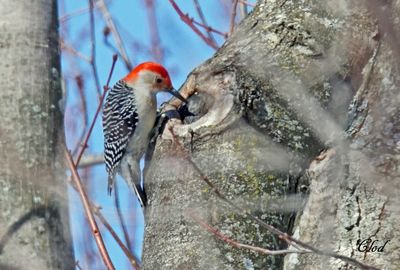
x: 184, y: 50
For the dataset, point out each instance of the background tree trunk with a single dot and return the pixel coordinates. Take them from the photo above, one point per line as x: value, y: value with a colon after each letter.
x: 295, y: 78
x: 33, y: 215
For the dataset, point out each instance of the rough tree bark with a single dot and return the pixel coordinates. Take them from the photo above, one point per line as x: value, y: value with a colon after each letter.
x: 33, y: 214
x: 295, y: 78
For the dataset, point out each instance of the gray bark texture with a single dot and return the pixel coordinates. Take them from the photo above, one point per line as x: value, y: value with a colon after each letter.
x: 297, y: 118
x: 33, y: 214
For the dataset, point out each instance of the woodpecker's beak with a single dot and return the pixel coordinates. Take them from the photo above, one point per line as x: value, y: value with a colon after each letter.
x: 176, y: 94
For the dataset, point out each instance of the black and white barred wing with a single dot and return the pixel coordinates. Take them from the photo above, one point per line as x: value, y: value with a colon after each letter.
x: 119, y: 122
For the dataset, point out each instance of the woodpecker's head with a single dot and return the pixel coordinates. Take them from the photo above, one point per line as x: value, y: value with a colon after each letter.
x: 154, y: 77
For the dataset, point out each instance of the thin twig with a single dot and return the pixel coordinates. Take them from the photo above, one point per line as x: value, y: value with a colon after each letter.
x: 236, y: 244
x: 118, y: 40
x: 121, y: 217
x: 186, y: 19
x: 247, y: 213
x: 247, y: 3
x: 93, y: 50
x: 243, y: 10
x: 62, y: 19
x: 210, y: 29
x: 67, y: 47
x: 233, y: 16
x: 78, y: 266
x: 96, y: 210
x: 226, y: 7
x: 154, y: 33
x: 132, y: 259
x: 91, y: 160
x: 82, y: 98
x: 385, y: 18
x: 272, y: 229
x: 88, y: 210
x: 106, y: 87
x: 203, y: 20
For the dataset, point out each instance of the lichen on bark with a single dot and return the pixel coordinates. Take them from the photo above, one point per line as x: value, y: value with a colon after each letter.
x: 282, y: 85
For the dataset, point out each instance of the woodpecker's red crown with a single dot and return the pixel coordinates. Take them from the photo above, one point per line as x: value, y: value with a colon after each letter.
x: 152, y: 67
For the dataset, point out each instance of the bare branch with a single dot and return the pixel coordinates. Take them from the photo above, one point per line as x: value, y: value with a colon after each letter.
x: 64, y: 45
x: 210, y: 29
x: 117, y: 37
x: 78, y: 265
x: 385, y: 18
x: 247, y: 213
x: 121, y: 217
x: 73, y: 14
x: 132, y: 259
x: 203, y: 20
x: 236, y: 244
x: 186, y: 19
x: 106, y: 87
x: 233, y: 16
x: 93, y: 50
x: 154, y: 33
x: 247, y: 3
x: 96, y: 211
x: 83, y: 109
x: 91, y: 160
x: 88, y: 210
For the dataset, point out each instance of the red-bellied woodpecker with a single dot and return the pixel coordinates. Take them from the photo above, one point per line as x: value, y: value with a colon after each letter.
x: 128, y: 117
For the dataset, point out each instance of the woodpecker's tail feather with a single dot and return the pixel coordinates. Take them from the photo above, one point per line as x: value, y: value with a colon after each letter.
x: 141, y: 195
x: 110, y: 184
x: 130, y: 171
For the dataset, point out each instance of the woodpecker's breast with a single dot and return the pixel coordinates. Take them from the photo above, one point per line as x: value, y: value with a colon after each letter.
x: 146, y: 105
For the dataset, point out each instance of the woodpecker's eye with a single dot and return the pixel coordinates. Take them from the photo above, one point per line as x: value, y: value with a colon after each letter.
x: 158, y: 80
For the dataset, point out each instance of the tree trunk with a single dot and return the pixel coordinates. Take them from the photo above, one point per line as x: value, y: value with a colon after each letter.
x: 33, y: 213
x: 295, y: 78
